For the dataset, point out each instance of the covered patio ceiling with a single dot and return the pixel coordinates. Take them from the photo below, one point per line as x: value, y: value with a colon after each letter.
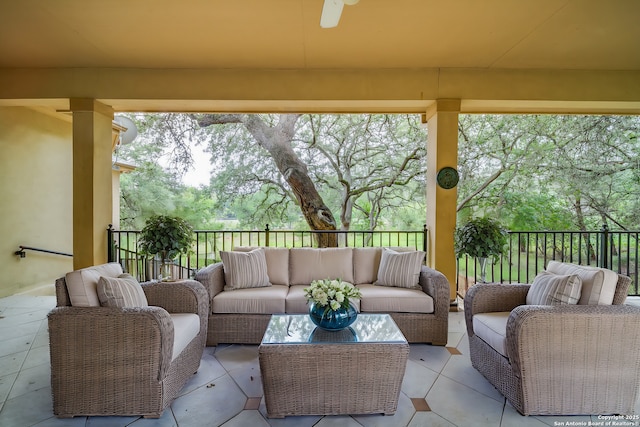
x: 257, y: 55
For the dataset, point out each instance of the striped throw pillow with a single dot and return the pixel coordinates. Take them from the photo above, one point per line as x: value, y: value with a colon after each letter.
x: 122, y: 291
x: 554, y: 289
x: 400, y: 269
x: 244, y: 270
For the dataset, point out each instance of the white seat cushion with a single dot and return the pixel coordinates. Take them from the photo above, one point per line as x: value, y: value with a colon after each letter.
x: 296, y: 302
x: 598, y: 284
x: 383, y: 299
x: 186, y: 327
x: 268, y: 300
x: 82, y: 284
x: 492, y: 329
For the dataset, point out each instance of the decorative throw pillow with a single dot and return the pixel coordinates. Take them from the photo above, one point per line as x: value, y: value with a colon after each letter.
x: 277, y: 263
x: 598, y: 284
x: 400, y: 269
x: 551, y: 289
x: 122, y: 291
x: 244, y: 270
x: 82, y: 284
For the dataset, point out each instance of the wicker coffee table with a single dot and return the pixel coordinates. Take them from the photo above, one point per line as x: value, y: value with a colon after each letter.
x: 309, y: 371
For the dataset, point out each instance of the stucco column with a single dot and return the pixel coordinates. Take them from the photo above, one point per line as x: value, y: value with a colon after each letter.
x: 442, y: 150
x: 92, y: 202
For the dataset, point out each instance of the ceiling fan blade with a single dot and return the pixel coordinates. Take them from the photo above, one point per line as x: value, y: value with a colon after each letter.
x: 331, y: 12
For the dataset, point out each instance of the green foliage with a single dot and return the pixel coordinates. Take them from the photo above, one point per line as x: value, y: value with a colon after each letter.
x: 167, y: 236
x: 198, y: 207
x: 154, y: 187
x: 574, y: 172
x: 367, y: 166
x: 480, y: 238
x: 363, y: 165
x: 147, y: 191
x: 264, y: 206
x: 532, y: 212
x: 533, y: 172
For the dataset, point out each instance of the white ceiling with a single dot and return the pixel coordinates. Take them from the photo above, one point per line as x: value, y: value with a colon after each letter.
x: 286, y: 34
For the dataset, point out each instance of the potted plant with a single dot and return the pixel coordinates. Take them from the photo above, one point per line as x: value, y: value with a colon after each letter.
x: 481, y: 238
x: 168, y: 237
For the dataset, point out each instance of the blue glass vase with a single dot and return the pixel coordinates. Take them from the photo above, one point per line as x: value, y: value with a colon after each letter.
x: 332, y: 320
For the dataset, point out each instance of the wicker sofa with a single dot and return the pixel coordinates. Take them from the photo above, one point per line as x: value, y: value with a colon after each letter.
x: 556, y: 359
x: 123, y: 361
x: 241, y: 316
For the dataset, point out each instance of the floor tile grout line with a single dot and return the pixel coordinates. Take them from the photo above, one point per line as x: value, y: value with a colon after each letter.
x: 21, y: 369
x: 32, y: 347
x: 473, y: 389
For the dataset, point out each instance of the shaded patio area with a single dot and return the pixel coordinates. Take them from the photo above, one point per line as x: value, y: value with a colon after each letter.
x: 440, y: 387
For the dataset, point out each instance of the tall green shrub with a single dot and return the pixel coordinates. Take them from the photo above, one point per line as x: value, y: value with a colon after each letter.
x: 480, y: 238
x: 166, y: 235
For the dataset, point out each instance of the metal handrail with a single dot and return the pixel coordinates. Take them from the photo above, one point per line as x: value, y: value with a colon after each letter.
x: 22, y: 254
x: 529, y: 252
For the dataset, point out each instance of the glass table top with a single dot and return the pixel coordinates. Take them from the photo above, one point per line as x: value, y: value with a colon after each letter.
x: 299, y: 329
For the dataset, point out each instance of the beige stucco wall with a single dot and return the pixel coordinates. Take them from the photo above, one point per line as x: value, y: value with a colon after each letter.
x: 35, y: 198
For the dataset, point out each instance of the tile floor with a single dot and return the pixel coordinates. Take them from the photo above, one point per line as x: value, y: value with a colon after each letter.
x: 440, y: 387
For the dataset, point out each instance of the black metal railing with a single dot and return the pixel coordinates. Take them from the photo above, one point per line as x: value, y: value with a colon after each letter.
x: 529, y: 252
x: 123, y: 247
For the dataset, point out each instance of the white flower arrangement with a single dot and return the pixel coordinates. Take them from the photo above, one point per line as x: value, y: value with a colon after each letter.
x: 331, y: 294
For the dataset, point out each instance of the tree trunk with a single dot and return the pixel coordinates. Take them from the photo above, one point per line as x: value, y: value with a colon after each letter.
x: 315, y: 212
x: 611, y: 244
x: 591, y: 253
x: 277, y: 141
x: 346, y: 213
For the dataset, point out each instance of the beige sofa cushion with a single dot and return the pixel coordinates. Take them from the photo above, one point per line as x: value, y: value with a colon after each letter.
x: 598, y: 284
x: 277, y: 263
x: 554, y: 289
x: 268, y: 300
x: 244, y: 269
x: 308, y: 264
x: 297, y: 303
x: 366, y: 262
x: 122, y: 291
x: 382, y: 299
x: 492, y: 329
x: 400, y: 269
x: 82, y: 284
x: 186, y: 327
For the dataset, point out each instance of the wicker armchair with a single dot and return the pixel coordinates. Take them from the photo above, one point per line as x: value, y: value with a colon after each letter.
x: 562, y: 360
x: 118, y: 361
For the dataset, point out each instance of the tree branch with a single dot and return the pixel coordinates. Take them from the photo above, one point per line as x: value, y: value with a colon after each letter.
x: 217, y: 119
x: 480, y: 189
